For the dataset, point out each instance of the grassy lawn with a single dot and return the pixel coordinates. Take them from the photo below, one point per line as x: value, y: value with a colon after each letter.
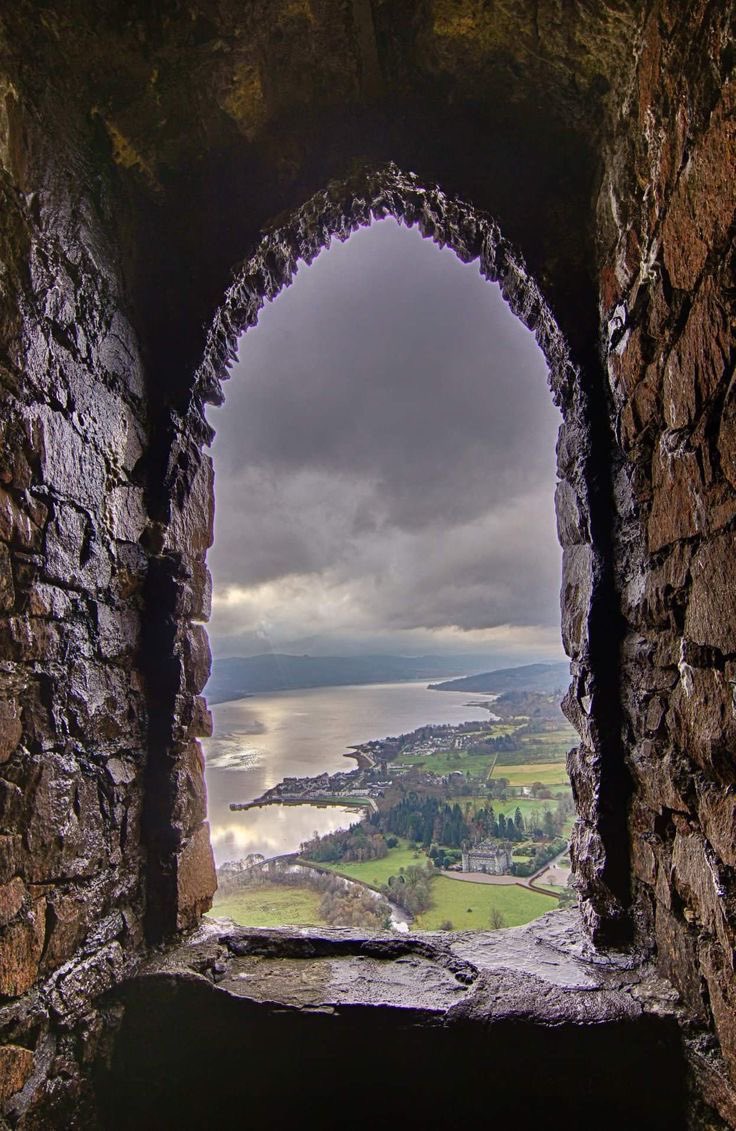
x: 270, y: 906
x: 376, y: 872
x: 445, y: 761
x: 548, y: 773
x: 468, y: 905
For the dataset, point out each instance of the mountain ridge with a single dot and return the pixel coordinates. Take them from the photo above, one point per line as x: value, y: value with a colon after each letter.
x: 239, y: 676
x: 545, y: 678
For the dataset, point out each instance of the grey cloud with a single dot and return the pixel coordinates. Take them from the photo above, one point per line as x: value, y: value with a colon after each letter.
x: 388, y: 432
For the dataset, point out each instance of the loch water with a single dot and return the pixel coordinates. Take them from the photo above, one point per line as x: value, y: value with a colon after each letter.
x: 259, y: 740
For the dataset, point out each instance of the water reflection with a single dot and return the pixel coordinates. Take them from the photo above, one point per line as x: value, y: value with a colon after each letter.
x: 259, y: 741
x: 275, y: 829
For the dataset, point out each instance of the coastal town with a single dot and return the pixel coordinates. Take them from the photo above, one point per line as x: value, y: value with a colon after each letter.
x: 486, y: 802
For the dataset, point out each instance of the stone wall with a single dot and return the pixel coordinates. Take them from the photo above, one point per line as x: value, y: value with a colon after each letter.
x: 667, y: 305
x: 81, y: 677
x: 145, y: 149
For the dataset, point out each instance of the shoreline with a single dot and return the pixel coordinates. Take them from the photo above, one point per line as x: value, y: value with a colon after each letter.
x: 318, y: 803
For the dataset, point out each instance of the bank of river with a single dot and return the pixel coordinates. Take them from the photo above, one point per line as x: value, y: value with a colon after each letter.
x: 262, y: 739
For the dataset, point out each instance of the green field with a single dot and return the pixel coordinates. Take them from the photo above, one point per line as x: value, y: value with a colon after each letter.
x: 376, y: 872
x: 548, y: 773
x: 270, y: 906
x: 468, y: 905
x: 537, y: 749
x: 445, y: 761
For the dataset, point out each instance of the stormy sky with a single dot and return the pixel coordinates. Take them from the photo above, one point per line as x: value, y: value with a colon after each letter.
x: 385, y: 465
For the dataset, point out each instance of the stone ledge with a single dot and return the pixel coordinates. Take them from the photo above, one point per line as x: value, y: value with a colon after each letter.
x: 299, y: 1026
x: 546, y: 971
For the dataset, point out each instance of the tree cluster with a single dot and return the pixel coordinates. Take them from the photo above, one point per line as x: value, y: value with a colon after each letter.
x: 411, y: 888
x: 354, y: 845
x: 352, y: 907
x: 426, y: 820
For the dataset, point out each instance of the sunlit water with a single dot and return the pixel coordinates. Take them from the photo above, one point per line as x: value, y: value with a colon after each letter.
x: 260, y: 740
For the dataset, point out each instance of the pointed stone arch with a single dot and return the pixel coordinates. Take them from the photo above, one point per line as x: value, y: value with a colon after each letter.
x: 600, y: 847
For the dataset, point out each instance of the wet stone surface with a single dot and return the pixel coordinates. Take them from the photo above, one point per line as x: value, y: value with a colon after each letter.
x: 546, y: 970
x: 310, y: 1025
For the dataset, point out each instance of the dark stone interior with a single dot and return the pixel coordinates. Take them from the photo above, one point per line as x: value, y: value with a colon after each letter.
x: 162, y: 167
x: 438, y: 1040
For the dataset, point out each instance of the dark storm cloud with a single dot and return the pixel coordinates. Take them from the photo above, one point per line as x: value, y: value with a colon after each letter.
x: 388, y: 433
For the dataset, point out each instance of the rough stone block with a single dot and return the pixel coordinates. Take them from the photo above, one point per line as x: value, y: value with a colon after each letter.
x: 64, y: 825
x: 197, y: 658
x: 73, y: 554
x: 125, y: 513
x: 662, y: 780
x: 677, y: 959
x: 197, y: 600
x: 711, y: 610
x: 21, y: 946
x: 727, y: 435
x: 76, y: 988
x: 68, y: 920
x: 104, y: 418
x: 572, y: 518
x: 9, y: 854
x: 7, y: 586
x: 190, y: 807
x: 196, y: 881
x: 70, y: 465
x: 16, y: 525
x: 698, y: 359
x: 16, y: 1065
x: 118, y: 355
x: 664, y: 586
x: 51, y: 601
x: 703, y: 204
x: 642, y: 408
x: 118, y: 631
x: 104, y: 705
x: 718, y: 970
x: 577, y: 590
x: 677, y: 503
x: 192, y: 520
x: 202, y: 723
x: 696, y: 880
x: 626, y: 364
x: 121, y: 771
x: 11, y: 728
x: 717, y: 814
x: 700, y: 715
x: 12, y: 896
x: 584, y: 768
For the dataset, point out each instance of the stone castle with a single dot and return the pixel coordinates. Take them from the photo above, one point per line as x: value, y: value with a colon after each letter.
x: 490, y: 856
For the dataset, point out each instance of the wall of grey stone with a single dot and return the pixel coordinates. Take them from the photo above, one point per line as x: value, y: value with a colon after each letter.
x: 77, y: 551
x: 666, y: 213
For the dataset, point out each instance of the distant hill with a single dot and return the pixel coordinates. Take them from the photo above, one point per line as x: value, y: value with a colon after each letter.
x: 250, y: 675
x: 545, y: 678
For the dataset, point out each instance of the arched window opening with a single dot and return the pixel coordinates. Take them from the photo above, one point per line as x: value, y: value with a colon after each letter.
x: 385, y: 470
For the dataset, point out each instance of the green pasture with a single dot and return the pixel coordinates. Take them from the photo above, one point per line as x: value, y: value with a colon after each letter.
x: 376, y: 872
x: 468, y: 905
x: 270, y: 906
x: 548, y: 773
x: 446, y: 761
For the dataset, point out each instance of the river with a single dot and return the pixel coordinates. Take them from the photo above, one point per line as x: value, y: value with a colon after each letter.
x: 260, y: 740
